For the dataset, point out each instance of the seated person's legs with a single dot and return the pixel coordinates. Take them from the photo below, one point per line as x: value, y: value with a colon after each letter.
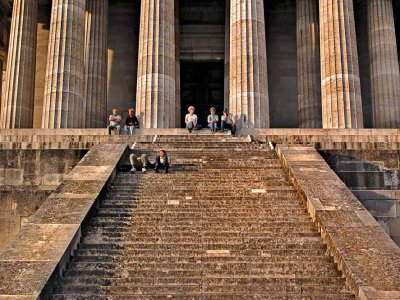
x: 190, y: 125
x: 160, y: 165
x: 133, y: 160
x: 109, y: 129
x: 146, y: 163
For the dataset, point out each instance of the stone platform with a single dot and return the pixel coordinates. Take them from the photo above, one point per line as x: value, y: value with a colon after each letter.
x: 321, y: 139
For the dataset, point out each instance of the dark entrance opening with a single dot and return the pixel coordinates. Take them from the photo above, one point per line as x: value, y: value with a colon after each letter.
x: 202, y: 85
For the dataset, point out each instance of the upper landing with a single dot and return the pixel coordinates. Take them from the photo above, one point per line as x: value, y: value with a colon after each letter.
x: 321, y: 139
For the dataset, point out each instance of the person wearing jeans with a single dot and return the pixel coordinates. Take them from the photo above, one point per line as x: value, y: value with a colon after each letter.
x: 228, y: 122
x: 191, y: 119
x: 115, y: 122
x: 131, y: 122
x: 212, y: 120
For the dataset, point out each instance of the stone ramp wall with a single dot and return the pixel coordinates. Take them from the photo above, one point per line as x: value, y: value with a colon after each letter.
x: 42, y: 246
x: 374, y: 178
x: 367, y: 256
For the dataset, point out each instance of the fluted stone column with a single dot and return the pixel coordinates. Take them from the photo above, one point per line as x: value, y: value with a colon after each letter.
x: 156, y: 83
x: 248, y: 80
x: 64, y: 88
x: 96, y: 63
x: 384, y: 64
x: 17, y: 101
x: 308, y: 65
x: 1, y: 81
x: 227, y: 52
x: 177, y: 69
x: 341, y: 90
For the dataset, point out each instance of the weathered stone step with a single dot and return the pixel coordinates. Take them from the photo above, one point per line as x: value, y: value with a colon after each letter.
x: 136, y: 270
x: 206, y: 227
x: 132, y: 206
x: 188, y: 219
x: 177, y: 288
x: 209, y: 296
x: 244, y: 244
x: 94, y: 237
x: 197, y: 238
x: 190, y: 207
x: 164, y: 260
x: 220, y: 232
x: 246, y: 281
x: 265, y: 194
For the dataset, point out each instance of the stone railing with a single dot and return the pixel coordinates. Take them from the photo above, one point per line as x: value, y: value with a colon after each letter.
x: 368, y: 258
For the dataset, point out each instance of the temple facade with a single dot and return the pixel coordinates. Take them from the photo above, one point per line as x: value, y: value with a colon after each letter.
x: 279, y: 64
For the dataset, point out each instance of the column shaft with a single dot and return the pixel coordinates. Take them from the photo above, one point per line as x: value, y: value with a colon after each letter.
x: 156, y: 85
x: 227, y: 52
x: 1, y: 81
x: 64, y: 88
x: 384, y: 64
x: 178, y: 69
x: 248, y: 79
x: 308, y: 65
x: 19, y: 90
x: 96, y: 63
x: 341, y: 90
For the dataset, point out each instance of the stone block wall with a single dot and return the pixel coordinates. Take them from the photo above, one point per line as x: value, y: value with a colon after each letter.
x: 374, y: 178
x: 39, y: 168
x: 27, y: 178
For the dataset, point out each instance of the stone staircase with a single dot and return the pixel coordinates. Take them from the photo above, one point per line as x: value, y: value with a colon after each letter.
x: 224, y: 224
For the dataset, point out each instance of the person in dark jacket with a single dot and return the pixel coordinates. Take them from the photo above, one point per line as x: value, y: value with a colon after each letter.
x: 162, y: 162
x: 131, y: 122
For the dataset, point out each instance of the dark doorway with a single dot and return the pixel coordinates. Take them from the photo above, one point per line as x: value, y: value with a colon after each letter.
x: 202, y: 85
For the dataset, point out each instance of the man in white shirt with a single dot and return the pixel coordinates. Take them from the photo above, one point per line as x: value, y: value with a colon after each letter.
x: 115, y: 122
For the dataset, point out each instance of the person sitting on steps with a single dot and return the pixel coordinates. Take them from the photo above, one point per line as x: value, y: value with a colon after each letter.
x: 162, y: 162
x: 142, y: 163
x: 191, y: 119
x: 131, y: 122
x: 115, y: 122
x: 228, y: 121
x: 212, y: 119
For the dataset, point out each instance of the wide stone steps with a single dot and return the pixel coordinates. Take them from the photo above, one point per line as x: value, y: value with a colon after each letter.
x: 210, y: 296
x: 226, y: 223
x: 153, y: 288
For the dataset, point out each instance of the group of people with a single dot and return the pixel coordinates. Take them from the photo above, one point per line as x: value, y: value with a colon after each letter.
x: 115, y: 120
x: 162, y: 161
x: 191, y: 120
x: 227, y: 120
